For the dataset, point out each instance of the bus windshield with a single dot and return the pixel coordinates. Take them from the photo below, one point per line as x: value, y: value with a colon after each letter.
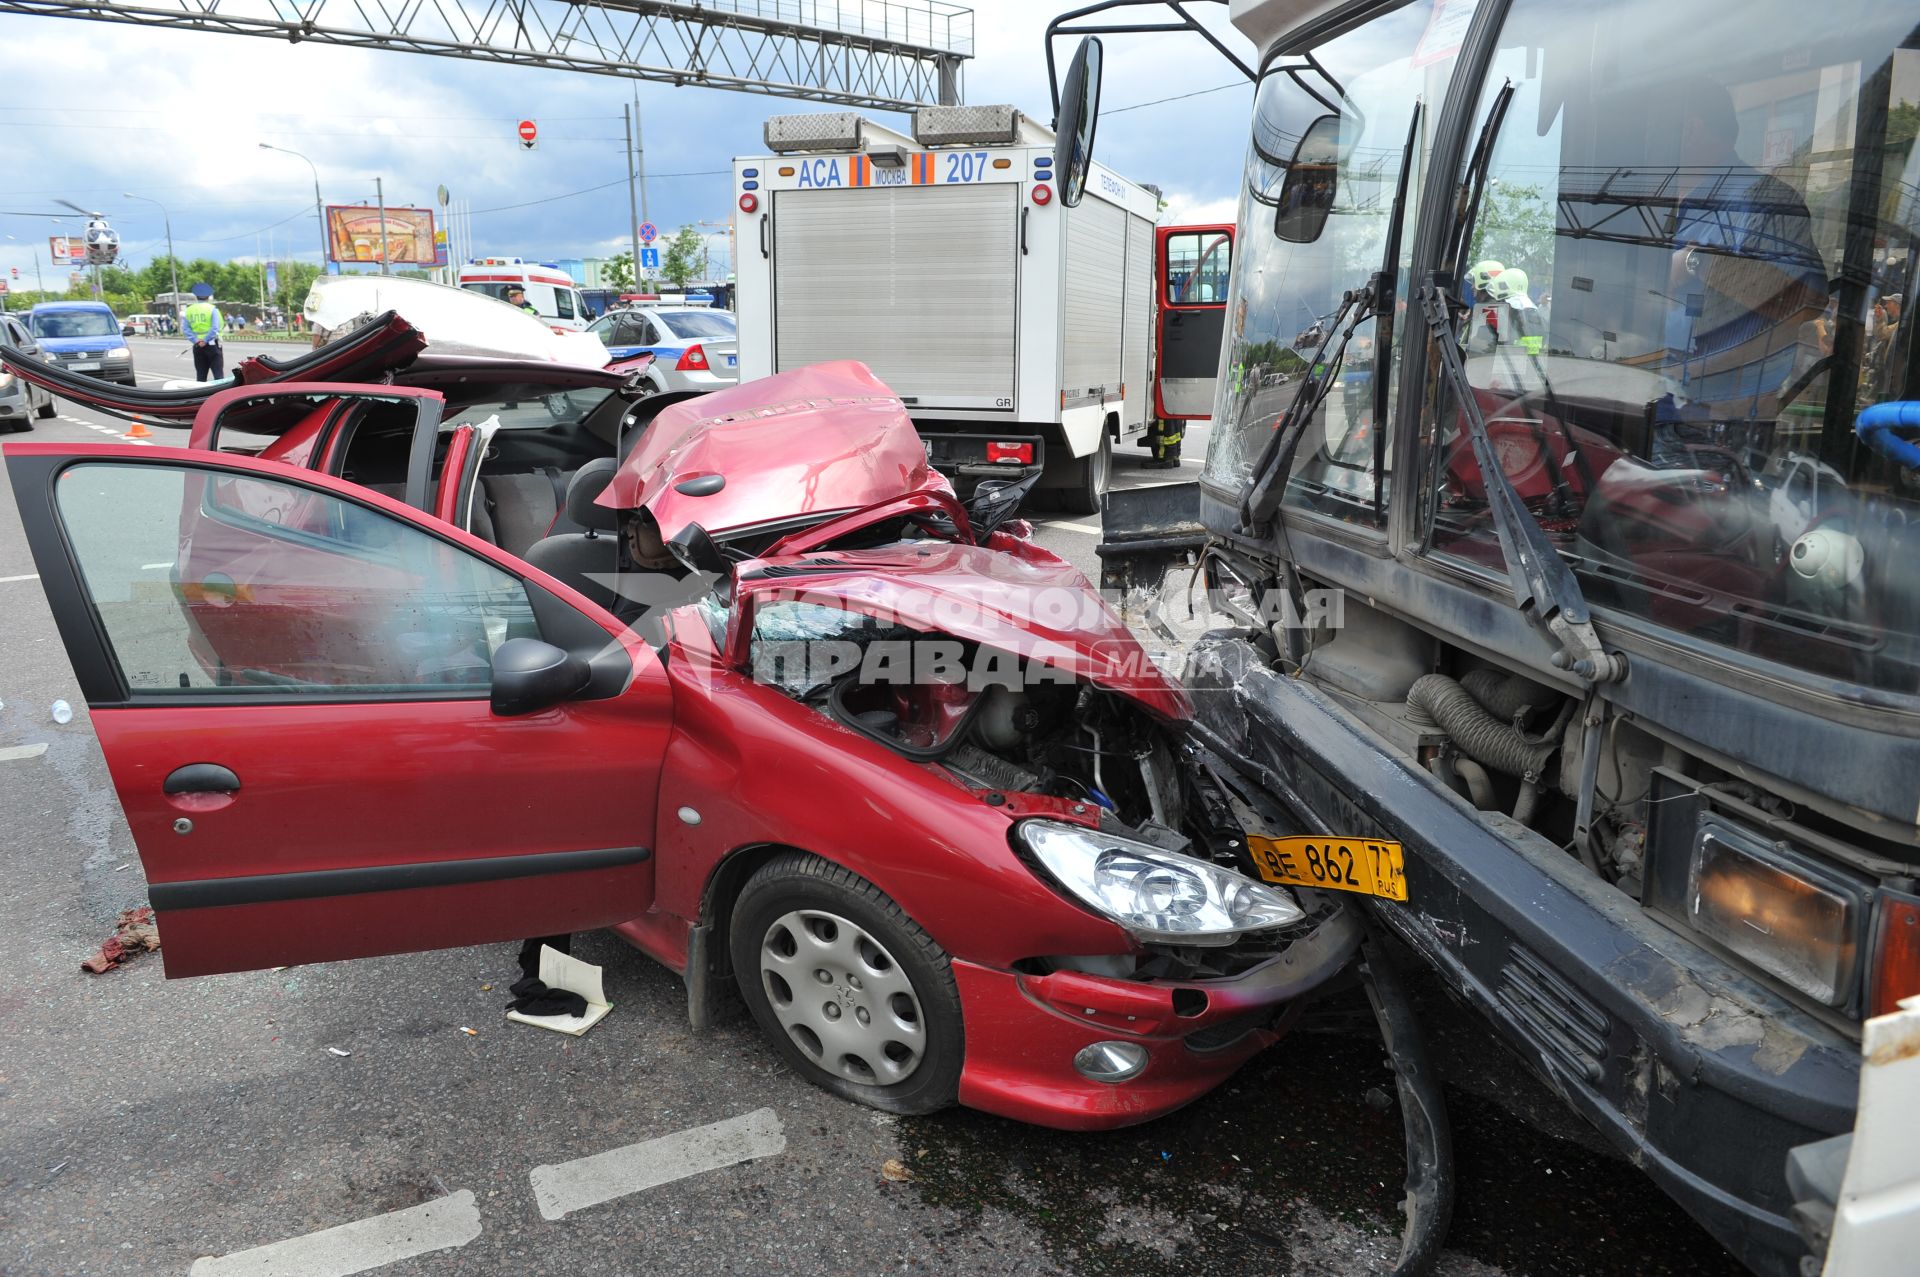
x: 1687, y: 281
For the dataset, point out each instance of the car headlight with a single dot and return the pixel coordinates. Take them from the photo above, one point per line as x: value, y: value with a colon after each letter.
x: 1156, y: 895
x: 119, y: 352
x: 6, y: 380
x: 1776, y: 911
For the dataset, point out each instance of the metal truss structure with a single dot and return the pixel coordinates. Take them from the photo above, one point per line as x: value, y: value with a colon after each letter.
x: 883, y: 54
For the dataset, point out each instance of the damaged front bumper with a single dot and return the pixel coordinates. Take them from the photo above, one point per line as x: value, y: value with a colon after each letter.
x: 1697, y: 1073
x: 1026, y: 1029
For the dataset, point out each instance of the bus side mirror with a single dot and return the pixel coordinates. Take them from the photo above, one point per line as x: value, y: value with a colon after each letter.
x: 1079, y: 112
x: 1306, y: 194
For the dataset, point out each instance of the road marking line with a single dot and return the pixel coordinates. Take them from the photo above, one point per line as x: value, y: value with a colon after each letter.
x: 364, y: 1244
x: 1064, y: 526
x: 19, y: 753
x: 24, y: 576
x: 589, y: 1181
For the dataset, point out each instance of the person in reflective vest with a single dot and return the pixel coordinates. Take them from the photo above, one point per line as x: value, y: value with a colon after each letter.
x: 201, y: 323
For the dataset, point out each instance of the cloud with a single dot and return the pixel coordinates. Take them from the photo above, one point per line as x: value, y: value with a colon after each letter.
x: 185, y: 130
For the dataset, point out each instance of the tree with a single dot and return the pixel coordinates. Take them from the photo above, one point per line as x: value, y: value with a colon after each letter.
x: 1516, y: 228
x: 618, y: 272
x: 682, y: 261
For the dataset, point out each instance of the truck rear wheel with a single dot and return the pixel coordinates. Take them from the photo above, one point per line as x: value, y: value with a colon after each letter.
x: 1089, y: 484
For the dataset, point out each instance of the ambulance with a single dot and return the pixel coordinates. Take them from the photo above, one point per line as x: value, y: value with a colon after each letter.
x: 1017, y: 331
x: 551, y: 290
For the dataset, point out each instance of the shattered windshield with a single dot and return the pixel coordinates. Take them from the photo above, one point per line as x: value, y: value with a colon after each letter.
x: 1688, y: 277
x: 1330, y: 129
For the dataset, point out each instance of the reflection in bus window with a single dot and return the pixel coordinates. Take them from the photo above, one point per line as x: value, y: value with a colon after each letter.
x: 1687, y: 281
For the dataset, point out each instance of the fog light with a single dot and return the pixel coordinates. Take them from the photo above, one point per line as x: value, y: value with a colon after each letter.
x: 1776, y: 912
x: 1111, y: 1061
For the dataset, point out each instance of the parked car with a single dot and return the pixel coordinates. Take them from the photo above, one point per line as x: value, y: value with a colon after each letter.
x: 20, y: 400
x: 694, y: 350
x: 82, y: 337
x: 1009, y: 878
x: 140, y: 326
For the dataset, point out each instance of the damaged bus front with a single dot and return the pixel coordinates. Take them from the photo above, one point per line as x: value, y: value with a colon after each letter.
x: 1563, y: 511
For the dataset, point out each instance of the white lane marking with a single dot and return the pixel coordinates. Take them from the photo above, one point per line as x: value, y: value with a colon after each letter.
x: 24, y: 576
x: 1086, y: 528
x: 441, y: 1224
x: 589, y: 1181
x: 19, y: 753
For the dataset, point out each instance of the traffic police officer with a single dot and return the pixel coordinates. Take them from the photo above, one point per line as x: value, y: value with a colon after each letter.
x: 517, y: 296
x: 201, y: 323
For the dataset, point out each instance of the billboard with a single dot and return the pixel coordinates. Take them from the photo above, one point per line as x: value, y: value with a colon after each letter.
x: 353, y: 235
x: 67, y: 248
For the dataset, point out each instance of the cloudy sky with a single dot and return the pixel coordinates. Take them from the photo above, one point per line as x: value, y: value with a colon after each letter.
x: 92, y: 110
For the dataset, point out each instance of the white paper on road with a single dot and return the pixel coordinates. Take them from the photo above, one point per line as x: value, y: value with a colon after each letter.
x: 563, y: 971
x: 589, y: 1181
x: 358, y: 1247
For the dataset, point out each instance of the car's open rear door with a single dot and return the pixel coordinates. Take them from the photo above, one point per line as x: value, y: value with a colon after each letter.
x: 290, y: 677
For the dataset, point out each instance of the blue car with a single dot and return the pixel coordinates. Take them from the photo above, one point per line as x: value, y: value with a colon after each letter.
x: 82, y: 337
x: 693, y: 350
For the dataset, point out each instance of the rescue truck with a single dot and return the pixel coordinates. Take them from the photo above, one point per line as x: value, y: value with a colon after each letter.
x: 550, y: 290
x: 1017, y: 331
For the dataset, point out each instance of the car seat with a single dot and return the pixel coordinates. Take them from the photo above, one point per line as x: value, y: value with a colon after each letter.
x: 578, y: 558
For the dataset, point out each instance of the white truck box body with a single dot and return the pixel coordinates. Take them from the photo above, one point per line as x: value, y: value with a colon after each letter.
x: 985, y: 309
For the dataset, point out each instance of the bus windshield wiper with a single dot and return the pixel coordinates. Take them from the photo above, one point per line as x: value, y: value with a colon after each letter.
x: 1543, y: 585
x: 1373, y: 300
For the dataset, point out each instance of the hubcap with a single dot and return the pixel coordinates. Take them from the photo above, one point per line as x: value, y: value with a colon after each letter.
x: 842, y: 998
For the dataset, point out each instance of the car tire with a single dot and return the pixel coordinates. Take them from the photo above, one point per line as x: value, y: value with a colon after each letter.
x: 1090, y: 483
x: 48, y: 410
x: 885, y: 1027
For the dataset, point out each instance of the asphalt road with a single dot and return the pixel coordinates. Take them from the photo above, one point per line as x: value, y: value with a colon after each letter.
x: 146, y: 1125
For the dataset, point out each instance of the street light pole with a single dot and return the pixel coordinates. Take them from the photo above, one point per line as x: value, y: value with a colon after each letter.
x: 633, y: 211
x: 380, y: 194
x: 318, y: 215
x: 173, y: 262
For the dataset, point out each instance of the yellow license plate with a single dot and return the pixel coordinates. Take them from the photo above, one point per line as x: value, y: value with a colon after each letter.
x: 1364, y: 865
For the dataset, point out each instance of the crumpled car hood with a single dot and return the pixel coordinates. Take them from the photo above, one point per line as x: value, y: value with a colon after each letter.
x: 809, y: 442
x: 1039, y: 611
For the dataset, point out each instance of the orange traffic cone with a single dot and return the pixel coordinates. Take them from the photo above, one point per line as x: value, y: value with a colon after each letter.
x: 139, y: 430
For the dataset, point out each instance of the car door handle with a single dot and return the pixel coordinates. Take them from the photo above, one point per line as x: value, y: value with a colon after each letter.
x: 201, y: 778
x: 763, y: 235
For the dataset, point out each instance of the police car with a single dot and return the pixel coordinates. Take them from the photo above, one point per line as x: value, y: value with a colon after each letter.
x: 694, y: 350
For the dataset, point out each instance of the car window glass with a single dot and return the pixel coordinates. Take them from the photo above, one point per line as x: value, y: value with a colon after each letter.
x: 563, y: 302
x: 1197, y: 268
x: 649, y: 335
x: 76, y: 323
x: 1688, y: 279
x: 212, y: 582
x: 699, y: 323
x: 1330, y: 129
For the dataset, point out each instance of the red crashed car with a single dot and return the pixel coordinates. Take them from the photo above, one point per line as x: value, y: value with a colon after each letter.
x: 891, y: 775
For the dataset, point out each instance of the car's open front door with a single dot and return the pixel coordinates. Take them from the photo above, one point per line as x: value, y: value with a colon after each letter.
x: 290, y: 678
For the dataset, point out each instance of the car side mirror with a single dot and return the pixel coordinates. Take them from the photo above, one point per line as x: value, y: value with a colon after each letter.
x: 1079, y: 111
x: 697, y: 551
x: 530, y: 675
x: 995, y: 501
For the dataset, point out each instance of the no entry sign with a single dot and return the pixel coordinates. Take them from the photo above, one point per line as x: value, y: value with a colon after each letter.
x: 529, y: 135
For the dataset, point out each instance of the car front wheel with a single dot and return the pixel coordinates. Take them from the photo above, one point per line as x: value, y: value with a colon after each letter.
x: 48, y: 409
x: 856, y: 996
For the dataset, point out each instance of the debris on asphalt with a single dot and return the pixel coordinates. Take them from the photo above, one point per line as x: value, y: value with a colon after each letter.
x: 895, y: 1171
x: 62, y: 712
x: 472, y: 1033
x: 337, y: 1051
x: 133, y: 934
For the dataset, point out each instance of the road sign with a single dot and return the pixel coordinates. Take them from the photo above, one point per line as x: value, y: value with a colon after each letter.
x: 649, y: 259
x: 648, y: 232
x: 529, y: 135
x: 3, y: 288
